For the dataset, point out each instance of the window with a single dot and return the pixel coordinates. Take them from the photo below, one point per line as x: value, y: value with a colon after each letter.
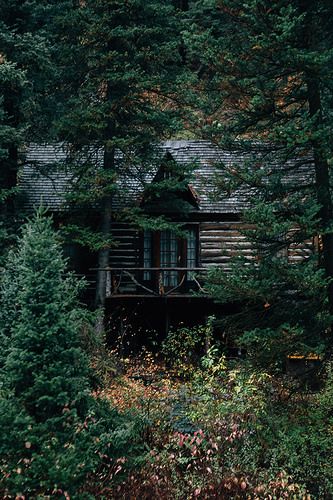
x: 147, y: 254
x: 165, y: 249
x: 169, y: 257
x: 191, y: 250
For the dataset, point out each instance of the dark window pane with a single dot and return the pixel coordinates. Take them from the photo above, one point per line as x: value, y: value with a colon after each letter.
x: 169, y: 257
x: 147, y: 254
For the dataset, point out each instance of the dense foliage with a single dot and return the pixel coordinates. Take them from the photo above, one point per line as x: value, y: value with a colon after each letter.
x: 53, y: 433
x: 267, y: 70
x: 225, y: 430
x: 25, y: 73
x: 111, y: 79
x: 118, y: 104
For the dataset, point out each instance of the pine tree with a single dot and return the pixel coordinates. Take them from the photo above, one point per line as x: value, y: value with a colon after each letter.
x: 268, y: 70
x: 25, y: 72
x: 121, y: 98
x: 45, y: 377
x: 52, y: 432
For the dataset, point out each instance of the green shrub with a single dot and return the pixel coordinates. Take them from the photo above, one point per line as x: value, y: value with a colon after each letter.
x: 184, y: 347
x: 266, y: 429
x: 253, y: 435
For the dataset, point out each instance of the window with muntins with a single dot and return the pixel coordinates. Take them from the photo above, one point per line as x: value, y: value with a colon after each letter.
x: 165, y: 249
x: 169, y: 257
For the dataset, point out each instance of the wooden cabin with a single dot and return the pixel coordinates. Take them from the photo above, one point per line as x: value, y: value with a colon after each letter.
x: 156, y: 275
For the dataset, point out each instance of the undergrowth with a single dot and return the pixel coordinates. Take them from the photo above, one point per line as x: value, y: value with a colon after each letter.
x: 219, y: 429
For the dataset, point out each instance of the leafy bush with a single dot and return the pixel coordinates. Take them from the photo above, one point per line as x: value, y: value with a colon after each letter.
x: 253, y: 435
x: 184, y: 347
x: 266, y: 430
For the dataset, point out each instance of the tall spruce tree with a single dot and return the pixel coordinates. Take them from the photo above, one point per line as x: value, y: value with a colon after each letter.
x: 44, y: 393
x: 52, y: 432
x: 268, y: 71
x: 120, y: 97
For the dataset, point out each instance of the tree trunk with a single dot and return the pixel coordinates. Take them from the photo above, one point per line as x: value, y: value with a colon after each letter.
x: 106, y: 220
x: 312, y: 34
x: 322, y: 180
x: 183, y: 5
x: 106, y: 209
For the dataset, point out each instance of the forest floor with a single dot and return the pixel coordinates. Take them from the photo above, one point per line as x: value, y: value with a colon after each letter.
x: 207, y: 429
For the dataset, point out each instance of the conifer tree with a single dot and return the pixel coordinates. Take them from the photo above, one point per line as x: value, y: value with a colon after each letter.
x: 45, y: 375
x: 25, y: 72
x: 268, y: 71
x: 52, y: 432
x: 120, y: 98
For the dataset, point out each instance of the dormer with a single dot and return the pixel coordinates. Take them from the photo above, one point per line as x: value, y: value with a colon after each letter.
x: 170, y: 190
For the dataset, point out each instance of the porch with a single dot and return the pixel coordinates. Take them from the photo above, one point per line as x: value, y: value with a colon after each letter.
x: 145, y: 282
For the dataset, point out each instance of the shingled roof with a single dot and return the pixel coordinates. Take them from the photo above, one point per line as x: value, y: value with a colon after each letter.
x: 40, y: 179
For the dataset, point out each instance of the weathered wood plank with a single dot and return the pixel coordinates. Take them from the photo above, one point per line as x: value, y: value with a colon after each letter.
x: 216, y: 226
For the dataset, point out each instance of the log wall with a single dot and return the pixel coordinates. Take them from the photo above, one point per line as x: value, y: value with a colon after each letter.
x: 125, y: 253
x: 220, y: 241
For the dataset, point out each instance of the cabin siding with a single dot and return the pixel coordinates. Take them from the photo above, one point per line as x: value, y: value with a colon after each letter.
x: 220, y: 241
x: 125, y: 253
x: 297, y: 252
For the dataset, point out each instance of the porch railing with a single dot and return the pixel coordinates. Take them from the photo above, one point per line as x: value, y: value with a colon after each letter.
x: 153, y: 281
